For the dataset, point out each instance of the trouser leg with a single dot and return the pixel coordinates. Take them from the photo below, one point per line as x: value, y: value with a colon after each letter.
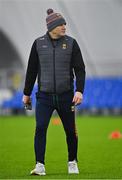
x: 71, y: 135
x: 43, y: 114
x: 67, y: 115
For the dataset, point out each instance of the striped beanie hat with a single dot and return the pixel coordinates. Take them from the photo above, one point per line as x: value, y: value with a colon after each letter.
x: 54, y: 19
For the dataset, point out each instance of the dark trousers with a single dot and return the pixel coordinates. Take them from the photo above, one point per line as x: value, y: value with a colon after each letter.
x: 45, y: 105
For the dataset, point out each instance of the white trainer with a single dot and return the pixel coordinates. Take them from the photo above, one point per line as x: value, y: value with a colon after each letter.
x: 39, y: 170
x: 73, y: 167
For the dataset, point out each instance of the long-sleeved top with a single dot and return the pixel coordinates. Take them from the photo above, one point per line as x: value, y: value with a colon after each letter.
x: 33, y: 64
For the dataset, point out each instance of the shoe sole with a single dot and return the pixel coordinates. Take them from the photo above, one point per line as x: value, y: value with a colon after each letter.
x: 38, y: 174
x: 73, y: 172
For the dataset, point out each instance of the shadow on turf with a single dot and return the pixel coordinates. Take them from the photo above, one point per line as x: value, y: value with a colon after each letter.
x: 55, y: 175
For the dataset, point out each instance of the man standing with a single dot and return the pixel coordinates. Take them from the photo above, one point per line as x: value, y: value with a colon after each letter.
x: 56, y: 59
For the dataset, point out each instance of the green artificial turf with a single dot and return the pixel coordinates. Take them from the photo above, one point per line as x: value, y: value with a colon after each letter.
x: 99, y: 156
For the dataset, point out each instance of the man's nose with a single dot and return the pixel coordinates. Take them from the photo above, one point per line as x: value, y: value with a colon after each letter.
x: 63, y: 26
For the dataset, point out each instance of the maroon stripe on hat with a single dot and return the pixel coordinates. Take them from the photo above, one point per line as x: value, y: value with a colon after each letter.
x: 51, y: 16
x: 51, y: 20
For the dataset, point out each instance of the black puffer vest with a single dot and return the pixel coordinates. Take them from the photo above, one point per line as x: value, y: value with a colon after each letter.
x: 55, y: 74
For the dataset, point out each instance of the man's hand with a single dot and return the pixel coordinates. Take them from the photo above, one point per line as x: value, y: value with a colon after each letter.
x: 26, y: 99
x: 27, y: 102
x: 78, y: 98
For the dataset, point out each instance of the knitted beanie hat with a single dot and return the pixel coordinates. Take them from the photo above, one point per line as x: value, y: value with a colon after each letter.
x: 54, y: 19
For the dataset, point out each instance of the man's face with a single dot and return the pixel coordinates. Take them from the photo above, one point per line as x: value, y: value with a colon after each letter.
x: 59, y: 30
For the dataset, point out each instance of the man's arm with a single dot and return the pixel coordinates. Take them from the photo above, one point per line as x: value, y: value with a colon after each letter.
x: 31, y: 74
x: 79, y: 69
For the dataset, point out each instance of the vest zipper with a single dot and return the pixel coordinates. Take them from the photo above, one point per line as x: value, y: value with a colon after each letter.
x: 54, y: 70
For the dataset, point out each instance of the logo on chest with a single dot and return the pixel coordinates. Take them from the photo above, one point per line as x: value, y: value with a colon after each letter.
x: 64, y: 46
x: 44, y: 46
